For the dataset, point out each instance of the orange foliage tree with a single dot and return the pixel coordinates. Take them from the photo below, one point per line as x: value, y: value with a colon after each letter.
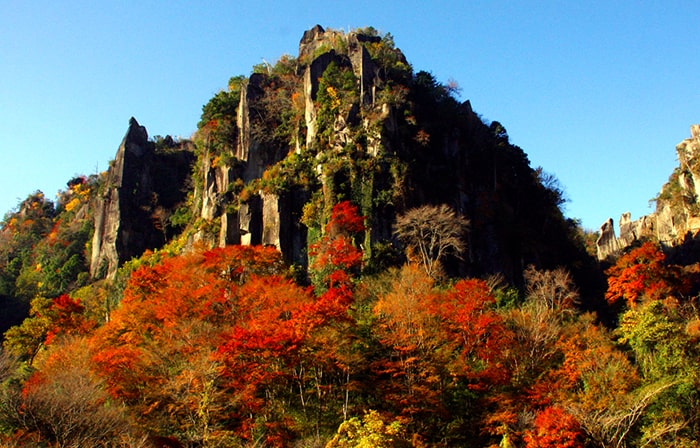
x: 163, y: 349
x: 555, y: 428
x: 217, y: 347
x: 643, y: 273
x: 439, y: 345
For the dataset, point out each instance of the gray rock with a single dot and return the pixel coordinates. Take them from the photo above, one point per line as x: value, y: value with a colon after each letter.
x: 607, y: 243
x: 142, y: 190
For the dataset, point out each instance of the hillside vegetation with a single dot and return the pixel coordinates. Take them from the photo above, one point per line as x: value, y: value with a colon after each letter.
x: 342, y: 255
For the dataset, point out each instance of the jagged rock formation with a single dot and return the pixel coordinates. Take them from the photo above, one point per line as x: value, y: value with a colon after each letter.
x: 348, y: 119
x: 142, y: 188
x: 677, y: 215
x: 607, y: 243
x: 257, y: 219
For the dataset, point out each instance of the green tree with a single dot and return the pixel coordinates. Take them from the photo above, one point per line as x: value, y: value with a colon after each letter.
x: 667, y: 353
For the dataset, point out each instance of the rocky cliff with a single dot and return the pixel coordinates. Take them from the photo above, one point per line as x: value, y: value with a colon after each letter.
x: 677, y: 215
x: 347, y: 119
x: 142, y: 188
x: 272, y: 215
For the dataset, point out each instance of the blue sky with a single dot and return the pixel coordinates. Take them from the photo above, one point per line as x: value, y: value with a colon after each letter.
x: 597, y: 93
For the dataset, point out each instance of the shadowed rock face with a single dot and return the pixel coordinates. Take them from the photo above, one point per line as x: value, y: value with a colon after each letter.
x: 142, y: 189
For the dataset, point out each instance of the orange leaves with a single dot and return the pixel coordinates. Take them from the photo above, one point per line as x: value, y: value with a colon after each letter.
x: 439, y: 342
x: 337, y: 253
x: 482, y: 334
x: 592, y: 361
x: 238, y: 263
x: 345, y: 220
x: 181, y: 307
x: 555, y: 428
x: 117, y: 365
x: 67, y: 318
x: 644, y: 274
x: 219, y: 329
x: 407, y: 321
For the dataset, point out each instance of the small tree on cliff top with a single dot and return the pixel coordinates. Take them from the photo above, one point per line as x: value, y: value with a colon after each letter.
x: 432, y: 232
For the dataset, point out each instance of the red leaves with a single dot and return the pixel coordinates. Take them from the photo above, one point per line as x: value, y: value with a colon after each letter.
x: 438, y: 341
x: 118, y: 366
x: 345, y: 220
x: 336, y: 254
x: 644, y: 274
x: 336, y: 251
x: 555, y: 428
x: 482, y: 334
x: 181, y: 308
x: 238, y: 263
x: 67, y: 318
x: 229, y: 310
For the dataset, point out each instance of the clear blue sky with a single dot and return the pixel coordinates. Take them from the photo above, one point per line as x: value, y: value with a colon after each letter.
x: 596, y: 92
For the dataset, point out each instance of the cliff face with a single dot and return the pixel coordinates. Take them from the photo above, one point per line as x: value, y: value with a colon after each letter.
x: 677, y: 215
x: 345, y: 120
x: 142, y: 188
x: 349, y: 120
x: 272, y: 216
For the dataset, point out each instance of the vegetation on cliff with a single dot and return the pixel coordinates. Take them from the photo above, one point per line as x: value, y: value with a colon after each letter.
x: 355, y: 258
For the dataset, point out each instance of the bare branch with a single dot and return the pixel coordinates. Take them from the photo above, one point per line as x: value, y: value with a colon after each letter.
x: 432, y: 232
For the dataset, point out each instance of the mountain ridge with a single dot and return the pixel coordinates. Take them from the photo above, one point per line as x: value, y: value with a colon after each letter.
x: 343, y: 254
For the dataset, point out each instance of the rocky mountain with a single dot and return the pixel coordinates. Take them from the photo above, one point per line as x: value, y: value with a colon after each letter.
x: 347, y: 119
x: 676, y: 219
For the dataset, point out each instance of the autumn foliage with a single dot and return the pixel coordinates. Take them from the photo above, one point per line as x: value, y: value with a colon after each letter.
x: 336, y: 256
x: 223, y: 347
x: 555, y: 428
x: 644, y: 274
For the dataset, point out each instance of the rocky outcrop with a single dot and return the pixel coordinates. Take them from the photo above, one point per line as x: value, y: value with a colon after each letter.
x: 607, y: 243
x: 352, y: 121
x: 270, y: 218
x: 281, y: 224
x: 677, y: 215
x: 142, y: 188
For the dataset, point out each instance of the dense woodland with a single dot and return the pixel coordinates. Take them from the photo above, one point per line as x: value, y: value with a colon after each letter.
x: 386, y: 335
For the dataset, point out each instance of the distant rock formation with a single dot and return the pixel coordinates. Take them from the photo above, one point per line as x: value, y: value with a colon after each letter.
x: 677, y: 214
x: 142, y: 188
x: 607, y: 243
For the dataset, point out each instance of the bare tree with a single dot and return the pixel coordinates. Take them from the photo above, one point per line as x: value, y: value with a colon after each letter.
x: 64, y: 405
x: 553, y: 289
x: 612, y: 427
x: 432, y: 232
x: 71, y: 409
